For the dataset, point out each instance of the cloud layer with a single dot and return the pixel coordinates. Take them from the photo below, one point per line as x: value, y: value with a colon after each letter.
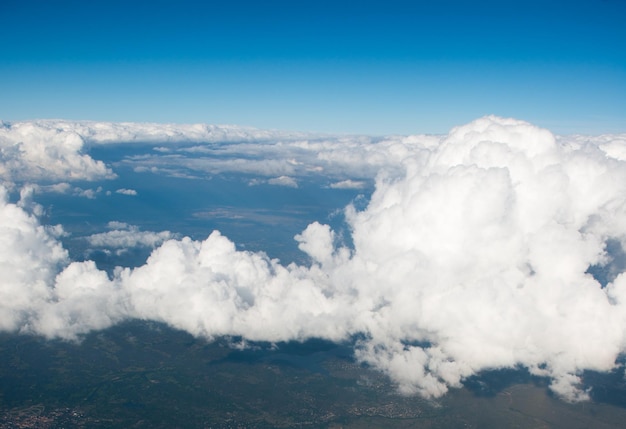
x: 473, y: 253
x: 54, y: 150
x: 58, y: 151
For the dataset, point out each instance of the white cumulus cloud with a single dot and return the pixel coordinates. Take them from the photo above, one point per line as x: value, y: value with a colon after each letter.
x: 472, y: 254
x: 124, y: 191
x: 127, y: 236
x: 30, y: 151
x: 290, y: 182
x: 30, y: 257
x: 348, y: 184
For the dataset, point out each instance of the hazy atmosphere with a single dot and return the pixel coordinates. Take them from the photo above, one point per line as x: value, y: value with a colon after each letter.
x: 433, y: 192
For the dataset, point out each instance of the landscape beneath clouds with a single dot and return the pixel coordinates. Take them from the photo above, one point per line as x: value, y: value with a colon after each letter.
x: 433, y: 258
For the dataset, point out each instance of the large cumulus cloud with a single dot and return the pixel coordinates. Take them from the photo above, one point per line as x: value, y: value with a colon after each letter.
x: 482, y: 251
x: 476, y: 257
x: 30, y: 151
x: 30, y: 257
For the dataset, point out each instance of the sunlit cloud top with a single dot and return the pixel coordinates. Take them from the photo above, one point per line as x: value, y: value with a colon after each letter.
x: 496, y: 245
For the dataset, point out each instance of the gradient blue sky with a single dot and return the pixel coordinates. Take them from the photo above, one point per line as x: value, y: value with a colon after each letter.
x: 374, y: 67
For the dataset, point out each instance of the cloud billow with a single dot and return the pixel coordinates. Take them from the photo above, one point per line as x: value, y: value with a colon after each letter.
x: 476, y: 257
x: 31, y: 151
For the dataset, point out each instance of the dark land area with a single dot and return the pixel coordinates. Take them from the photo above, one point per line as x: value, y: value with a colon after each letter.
x: 146, y: 375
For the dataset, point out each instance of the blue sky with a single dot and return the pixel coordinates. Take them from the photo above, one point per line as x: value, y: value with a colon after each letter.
x: 350, y: 67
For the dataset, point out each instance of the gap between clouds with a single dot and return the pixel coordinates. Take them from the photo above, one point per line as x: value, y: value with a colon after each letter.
x: 475, y: 256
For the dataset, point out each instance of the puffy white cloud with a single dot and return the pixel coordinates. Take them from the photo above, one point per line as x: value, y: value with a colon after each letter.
x: 66, y: 188
x: 209, y: 288
x: 472, y: 254
x: 290, y: 182
x: 82, y: 299
x: 87, y: 193
x: 482, y: 249
x: 317, y: 241
x: 125, y: 236
x: 30, y: 151
x: 30, y: 256
x: 124, y: 191
x: 348, y: 184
